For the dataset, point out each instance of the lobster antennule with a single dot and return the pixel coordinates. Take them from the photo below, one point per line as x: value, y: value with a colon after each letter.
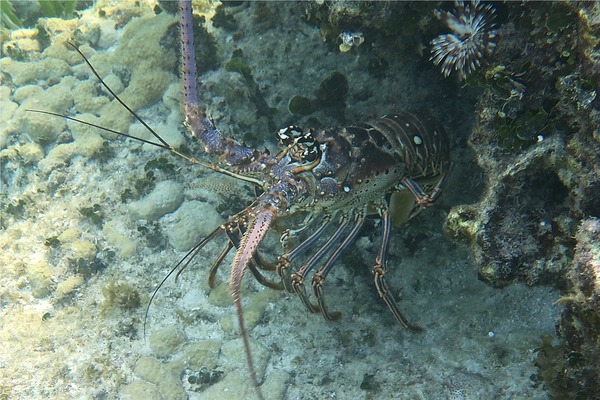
x: 258, y: 228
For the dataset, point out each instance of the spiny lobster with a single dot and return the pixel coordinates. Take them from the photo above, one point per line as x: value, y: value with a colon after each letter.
x: 393, y: 167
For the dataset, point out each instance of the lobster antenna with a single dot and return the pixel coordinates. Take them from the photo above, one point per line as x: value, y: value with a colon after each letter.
x: 231, y: 151
x: 254, y: 235
x: 80, y: 121
x: 152, y: 131
x: 180, y: 265
x: 162, y: 143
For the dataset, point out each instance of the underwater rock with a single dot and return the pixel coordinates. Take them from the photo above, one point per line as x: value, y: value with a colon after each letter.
x: 86, y: 99
x: 536, y: 139
x: 166, y: 380
x: 7, y: 109
x: 518, y: 230
x: 192, y: 221
x: 26, y: 72
x: 151, y: 66
x: 166, y: 341
x: 140, y: 390
x: 39, y: 275
x: 28, y: 153
x: 233, y: 351
x: 237, y: 64
x: 580, y: 319
x: 585, y: 274
x: 114, y: 83
x: 124, y: 244
x: 173, y: 97
x: 87, y: 145
x: 392, y: 18
x: 39, y: 127
x: 237, y: 384
x: 68, y: 286
x: 84, y: 249
x: 108, y: 34
x: 61, y: 51
x: 168, y: 130
x: 166, y: 197
x: 24, y: 92
x: 254, y: 311
x: 69, y: 235
x: 220, y: 296
x: 201, y: 354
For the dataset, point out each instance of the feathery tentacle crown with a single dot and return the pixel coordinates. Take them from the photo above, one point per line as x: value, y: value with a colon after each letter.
x: 472, y: 37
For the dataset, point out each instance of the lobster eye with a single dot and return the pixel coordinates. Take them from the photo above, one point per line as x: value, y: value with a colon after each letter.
x: 301, y: 145
x: 289, y: 134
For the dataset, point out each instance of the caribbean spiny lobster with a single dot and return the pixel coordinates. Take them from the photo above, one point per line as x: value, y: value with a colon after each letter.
x: 392, y: 167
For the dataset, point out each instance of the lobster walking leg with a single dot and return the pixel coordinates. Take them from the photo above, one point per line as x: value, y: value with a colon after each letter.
x: 319, y: 276
x: 424, y: 199
x: 286, y: 259
x: 212, y: 274
x: 379, y: 270
x: 297, y: 278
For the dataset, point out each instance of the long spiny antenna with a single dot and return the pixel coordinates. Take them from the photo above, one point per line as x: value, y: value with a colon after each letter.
x: 230, y: 150
x: 254, y: 235
x: 181, y: 265
x: 161, y: 142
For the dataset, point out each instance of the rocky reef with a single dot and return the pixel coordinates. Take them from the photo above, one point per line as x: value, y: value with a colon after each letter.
x: 580, y: 319
x: 537, y: 141
x: 91, y: 223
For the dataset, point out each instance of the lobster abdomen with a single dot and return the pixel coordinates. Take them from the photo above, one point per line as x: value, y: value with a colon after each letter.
x: 421, y: 143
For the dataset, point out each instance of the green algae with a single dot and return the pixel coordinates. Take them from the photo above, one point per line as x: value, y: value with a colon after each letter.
x: 301, y: 105
x: 58, y: 8
x: 120, y: 296
x: 9, y: 18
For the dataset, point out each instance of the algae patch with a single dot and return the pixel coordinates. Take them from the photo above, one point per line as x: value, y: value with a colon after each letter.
x: 120, y: 296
